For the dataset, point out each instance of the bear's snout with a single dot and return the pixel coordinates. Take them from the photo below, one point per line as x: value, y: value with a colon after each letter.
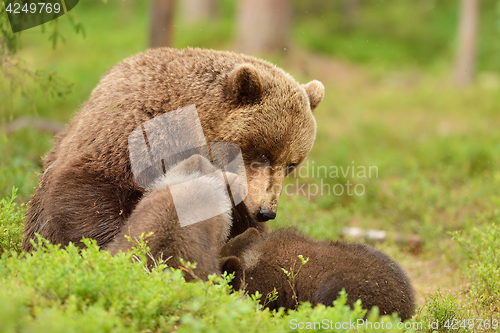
x: 265, y: 215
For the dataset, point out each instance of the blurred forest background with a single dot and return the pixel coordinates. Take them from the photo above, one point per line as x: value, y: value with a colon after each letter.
x: 412, y: 87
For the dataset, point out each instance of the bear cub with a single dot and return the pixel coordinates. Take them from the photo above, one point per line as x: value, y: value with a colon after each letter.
x: 199, y: 242
x: 363, y: 272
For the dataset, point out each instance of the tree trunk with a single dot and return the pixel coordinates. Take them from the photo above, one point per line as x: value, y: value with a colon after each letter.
x: 198, y: 10
x: 263, y: 25
x: 350, y: 9
x: 467, y: 35
x: 162, y: 14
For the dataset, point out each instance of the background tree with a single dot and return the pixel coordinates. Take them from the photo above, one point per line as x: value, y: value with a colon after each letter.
x: 161, y: 28
x: 263, y: 25
x: 349, y: 11
x: 467, y: 42
x: 198, y: 10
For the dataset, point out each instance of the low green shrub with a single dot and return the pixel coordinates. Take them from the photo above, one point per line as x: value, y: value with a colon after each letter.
x: 481, y: 246
x: 443, y: 311
x: 11, y: 224
x: 88, y: 290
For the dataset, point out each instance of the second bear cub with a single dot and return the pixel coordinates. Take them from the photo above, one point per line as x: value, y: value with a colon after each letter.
x: 363, y: 272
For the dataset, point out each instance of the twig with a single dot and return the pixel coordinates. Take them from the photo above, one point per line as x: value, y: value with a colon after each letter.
x: 41, y: 124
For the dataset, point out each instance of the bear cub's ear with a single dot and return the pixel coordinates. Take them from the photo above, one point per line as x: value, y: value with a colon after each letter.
x: 244, y: 84
x: 234, y: 265
x: 239, y: 244
x: 315, y: 91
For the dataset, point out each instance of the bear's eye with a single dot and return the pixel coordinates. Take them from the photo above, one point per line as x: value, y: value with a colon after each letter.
x: 290, y: 168
x: 263, y: 158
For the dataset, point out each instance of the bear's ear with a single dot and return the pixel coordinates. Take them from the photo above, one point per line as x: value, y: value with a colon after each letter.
x: 244, y: 84
x: 230, y: 264
x: 315, y: 91
x: 234, y: 265
x: 240, y: 243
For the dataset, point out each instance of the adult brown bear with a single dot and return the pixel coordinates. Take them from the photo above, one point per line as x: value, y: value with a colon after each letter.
x: 87, y: 188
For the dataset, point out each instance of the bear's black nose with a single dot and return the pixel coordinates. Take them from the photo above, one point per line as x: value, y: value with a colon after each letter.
x: 266, y: 214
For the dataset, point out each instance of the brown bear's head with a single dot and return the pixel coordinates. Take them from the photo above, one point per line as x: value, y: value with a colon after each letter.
x: 273, y: 124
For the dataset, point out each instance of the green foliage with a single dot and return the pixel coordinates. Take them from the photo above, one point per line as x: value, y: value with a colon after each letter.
x: 20, y: 80
x: 88, y: 290
x: 444, y: 310
x: 11, y: 224
x: 481, y: 250
x: 292, y: 275
x: 392, y: 34
x: 8, y: 40
x: 40, y: 80
x: 20, y: 161
x: 481, y: 245
x: 271, y: 297
x: 17, y: 77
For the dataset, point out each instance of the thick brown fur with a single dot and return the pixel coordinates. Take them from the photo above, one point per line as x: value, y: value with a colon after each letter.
x: 87, y: 188
x: 363, y: 272
x: 198, y: 243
